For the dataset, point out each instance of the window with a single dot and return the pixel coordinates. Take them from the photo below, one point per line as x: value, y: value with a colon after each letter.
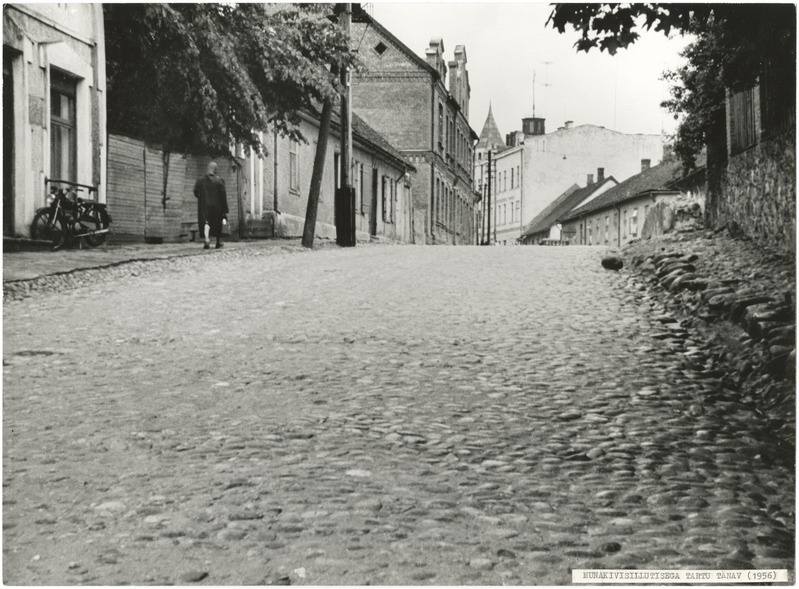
x: 518, y: 210
x: 380, y: 48
x: 63, y: 120
x: 511, y: 178
x: 437, y: 204
x: 624, y: 223
x: 360, y: 187
x: 590, y: 239
x: 518, y: 177
x: 386, y: 195
x: 336, y: 171
x: 294, y: 167
x: 441, y: 128
x: 607, y: 228
x: 634, y: 223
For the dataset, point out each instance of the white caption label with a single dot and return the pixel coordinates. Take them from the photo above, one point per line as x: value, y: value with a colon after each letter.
x: 714, y: 576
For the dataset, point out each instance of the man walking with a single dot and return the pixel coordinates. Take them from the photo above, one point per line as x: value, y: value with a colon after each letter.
x: 212, y: 206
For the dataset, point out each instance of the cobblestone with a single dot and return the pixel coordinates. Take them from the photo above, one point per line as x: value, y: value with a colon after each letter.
x: 391, y: 415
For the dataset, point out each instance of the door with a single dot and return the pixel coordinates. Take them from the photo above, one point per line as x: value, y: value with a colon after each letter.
x: 8, y: 145
x: 373, y: 208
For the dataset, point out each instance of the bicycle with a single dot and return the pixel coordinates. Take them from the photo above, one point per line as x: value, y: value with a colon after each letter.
x: 67, y: 217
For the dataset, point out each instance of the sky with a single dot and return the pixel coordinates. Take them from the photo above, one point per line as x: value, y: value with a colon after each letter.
x: 506, y: 43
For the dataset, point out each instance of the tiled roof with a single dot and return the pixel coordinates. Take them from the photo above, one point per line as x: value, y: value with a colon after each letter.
x: 360, y: 128
x: 362, y: 131
x: 655, y: 178
x: 562, y: 205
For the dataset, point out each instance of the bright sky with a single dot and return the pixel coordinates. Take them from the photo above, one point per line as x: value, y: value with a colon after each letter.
x: 507, y: 42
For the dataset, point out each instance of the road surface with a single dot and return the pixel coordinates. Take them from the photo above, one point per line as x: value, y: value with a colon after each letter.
x: 379, y: 415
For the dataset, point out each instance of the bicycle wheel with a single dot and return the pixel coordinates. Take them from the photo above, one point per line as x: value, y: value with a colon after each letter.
x: 47, y: 226
x: 95, y: 219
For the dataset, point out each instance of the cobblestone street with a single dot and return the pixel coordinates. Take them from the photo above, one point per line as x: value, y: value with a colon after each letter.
x: 379, y: 415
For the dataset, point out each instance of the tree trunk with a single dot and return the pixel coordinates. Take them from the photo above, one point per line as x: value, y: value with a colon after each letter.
x: 318, y: 171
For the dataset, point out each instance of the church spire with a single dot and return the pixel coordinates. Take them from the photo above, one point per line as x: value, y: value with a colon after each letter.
x: 490, y: 137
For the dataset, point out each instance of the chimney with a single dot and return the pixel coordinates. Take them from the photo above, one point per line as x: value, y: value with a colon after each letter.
x: 568, y: 124
x: 434, y: 55
x: 454, y: 76
x: 533, y: 126
x: 590, y: 180
x: 600, y: 174
x: 645, y: 163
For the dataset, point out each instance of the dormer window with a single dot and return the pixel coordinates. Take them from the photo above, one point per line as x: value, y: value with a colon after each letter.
x: 380, y: 48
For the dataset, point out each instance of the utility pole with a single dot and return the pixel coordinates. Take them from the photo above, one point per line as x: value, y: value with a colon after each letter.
x: 488, y: 241
x: 345, y: 195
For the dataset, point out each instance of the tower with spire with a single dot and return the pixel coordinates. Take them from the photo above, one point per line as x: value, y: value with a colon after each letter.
x: 490, y: 137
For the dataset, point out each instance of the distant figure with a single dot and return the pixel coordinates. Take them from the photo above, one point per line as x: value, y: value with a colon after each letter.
x: 212, y: 206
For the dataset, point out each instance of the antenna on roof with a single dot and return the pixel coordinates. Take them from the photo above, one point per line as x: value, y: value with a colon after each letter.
x: 546, y: 79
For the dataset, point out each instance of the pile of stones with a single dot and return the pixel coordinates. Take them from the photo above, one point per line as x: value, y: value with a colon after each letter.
x: 737, y: 333
x: 767, y: 320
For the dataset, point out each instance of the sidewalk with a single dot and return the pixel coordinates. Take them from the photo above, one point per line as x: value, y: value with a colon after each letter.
x: 29, y: 265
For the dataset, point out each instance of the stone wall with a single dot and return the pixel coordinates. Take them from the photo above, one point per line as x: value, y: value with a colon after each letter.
x: 756, y: 193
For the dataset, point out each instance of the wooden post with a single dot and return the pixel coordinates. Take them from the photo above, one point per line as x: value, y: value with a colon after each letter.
x: 309, y: 229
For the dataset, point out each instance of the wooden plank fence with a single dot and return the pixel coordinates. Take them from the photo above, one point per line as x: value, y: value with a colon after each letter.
x: 150, y: 192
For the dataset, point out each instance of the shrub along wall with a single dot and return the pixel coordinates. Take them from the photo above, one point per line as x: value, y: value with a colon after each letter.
x: 757, y: 193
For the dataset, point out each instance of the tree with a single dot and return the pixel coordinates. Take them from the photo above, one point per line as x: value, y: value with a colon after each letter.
x: 195, y: 77
x: 734, y: 42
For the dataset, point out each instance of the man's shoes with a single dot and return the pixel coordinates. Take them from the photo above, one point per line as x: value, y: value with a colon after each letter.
x: 207, y: 246
x: 219, y: 245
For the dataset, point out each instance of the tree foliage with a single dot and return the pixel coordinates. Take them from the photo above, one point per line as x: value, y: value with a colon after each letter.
x: 197, y: 76
x: 733, y: 43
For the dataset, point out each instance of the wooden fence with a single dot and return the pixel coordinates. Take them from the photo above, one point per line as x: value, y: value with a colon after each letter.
x: 150, y: 192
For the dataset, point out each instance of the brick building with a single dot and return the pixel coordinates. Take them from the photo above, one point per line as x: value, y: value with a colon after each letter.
x: 54, y: 109
x: 408, y: 101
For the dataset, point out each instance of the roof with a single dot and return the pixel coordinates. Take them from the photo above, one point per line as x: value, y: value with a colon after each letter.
x: 367, y: 18
x: 653, y: 179
x: 490, y: 136
x: 561, y: 206
x: 366, y: 134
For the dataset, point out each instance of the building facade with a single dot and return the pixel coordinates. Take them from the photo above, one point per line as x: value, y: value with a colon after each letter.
x: 408, y: 101
x: 552, y: 162
x: 276, y: 196
x: 151, y: 199
x: 504, y: 200
x: 54, y: 105
x: 545, y: 227
x: 616, y: 217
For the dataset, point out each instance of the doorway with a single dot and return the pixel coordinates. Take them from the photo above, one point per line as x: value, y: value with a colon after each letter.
x: 8, y: 145
x: 373, y: 207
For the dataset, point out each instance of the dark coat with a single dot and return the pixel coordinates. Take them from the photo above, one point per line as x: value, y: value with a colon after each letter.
x: 211, y: 203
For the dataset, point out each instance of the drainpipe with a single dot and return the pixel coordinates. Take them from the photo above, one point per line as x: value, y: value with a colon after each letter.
x: 433, y: 158
x: 274, y: 202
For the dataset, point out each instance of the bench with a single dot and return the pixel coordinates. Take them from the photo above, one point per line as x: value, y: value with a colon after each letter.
x: 189, y: 228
